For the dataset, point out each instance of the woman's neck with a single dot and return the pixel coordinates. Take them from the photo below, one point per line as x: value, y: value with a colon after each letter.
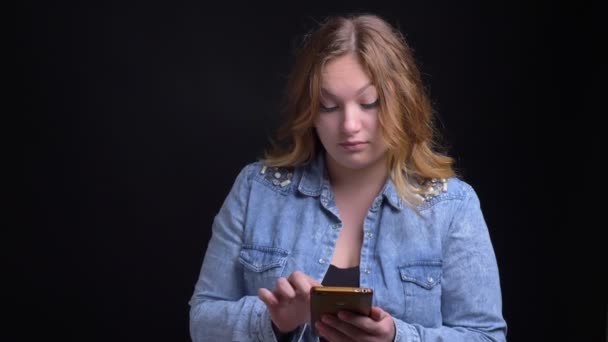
x: 368, y: 179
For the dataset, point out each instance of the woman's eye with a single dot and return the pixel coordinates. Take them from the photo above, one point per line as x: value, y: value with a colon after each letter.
x: 324, y: 108
x: 370, y: 105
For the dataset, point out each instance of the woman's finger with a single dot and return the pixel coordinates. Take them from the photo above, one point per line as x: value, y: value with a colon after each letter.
x: 363, y: 323
x: 267, y: 297
x: 377, y: 314
x: 331, y: 334
x: 346, y: 329
x: 284, y: 290
x: 301, y: 284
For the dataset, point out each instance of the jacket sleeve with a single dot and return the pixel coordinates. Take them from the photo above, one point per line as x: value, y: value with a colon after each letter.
x: 219, y: 308
x: 471, y: 303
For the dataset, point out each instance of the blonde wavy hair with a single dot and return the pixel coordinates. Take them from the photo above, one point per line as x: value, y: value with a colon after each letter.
x: 405, y: 112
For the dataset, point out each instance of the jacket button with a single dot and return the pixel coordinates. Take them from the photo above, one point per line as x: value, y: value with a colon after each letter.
x: 321, y: 261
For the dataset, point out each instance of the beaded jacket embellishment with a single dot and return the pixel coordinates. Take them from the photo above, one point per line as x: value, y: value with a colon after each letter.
x: 430, y: 188
x: 278, y: 176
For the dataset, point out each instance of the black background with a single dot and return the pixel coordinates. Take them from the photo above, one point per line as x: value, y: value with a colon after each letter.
x: 139, y: 117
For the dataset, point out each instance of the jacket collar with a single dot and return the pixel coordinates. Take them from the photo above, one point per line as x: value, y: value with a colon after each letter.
x: 313, y: 176
x: 314, y: 179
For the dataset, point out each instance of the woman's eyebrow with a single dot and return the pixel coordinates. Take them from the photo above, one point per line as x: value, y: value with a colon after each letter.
x: 324, y: 91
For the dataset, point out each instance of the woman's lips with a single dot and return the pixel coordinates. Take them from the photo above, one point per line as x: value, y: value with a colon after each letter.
x: 353, y: 146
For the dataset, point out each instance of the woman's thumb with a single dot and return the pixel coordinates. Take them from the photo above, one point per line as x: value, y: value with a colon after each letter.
x: 377, y: 314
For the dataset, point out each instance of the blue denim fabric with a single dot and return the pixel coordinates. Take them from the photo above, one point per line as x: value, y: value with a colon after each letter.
x: 435, y: 273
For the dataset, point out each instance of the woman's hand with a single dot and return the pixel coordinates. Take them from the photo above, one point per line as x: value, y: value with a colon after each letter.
x: 347, y: 326
x: 289, y: 302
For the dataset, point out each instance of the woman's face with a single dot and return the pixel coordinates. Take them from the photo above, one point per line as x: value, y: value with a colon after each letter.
x: 347, y: 123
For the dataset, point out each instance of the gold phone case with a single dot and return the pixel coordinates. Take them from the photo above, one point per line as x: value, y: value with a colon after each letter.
x: 331, y: 299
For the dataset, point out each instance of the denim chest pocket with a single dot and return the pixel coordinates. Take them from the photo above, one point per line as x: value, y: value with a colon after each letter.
x: 422, y: 288
x: 262, y: 266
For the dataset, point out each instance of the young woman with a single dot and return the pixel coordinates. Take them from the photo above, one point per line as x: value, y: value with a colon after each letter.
x: 355, y: 195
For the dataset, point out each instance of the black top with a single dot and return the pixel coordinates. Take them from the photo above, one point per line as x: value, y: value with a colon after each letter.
x: 341, y: 276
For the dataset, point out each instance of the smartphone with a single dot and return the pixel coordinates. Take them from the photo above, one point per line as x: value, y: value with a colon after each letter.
x: 332, y: 299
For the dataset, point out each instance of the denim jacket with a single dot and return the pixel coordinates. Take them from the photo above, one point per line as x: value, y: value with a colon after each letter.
x: 434, y: 271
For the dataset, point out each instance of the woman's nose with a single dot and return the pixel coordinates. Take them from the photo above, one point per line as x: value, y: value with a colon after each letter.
x: 351, y: 120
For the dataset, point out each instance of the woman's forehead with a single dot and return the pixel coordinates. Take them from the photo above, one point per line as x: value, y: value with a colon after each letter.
x: 344, y: 75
